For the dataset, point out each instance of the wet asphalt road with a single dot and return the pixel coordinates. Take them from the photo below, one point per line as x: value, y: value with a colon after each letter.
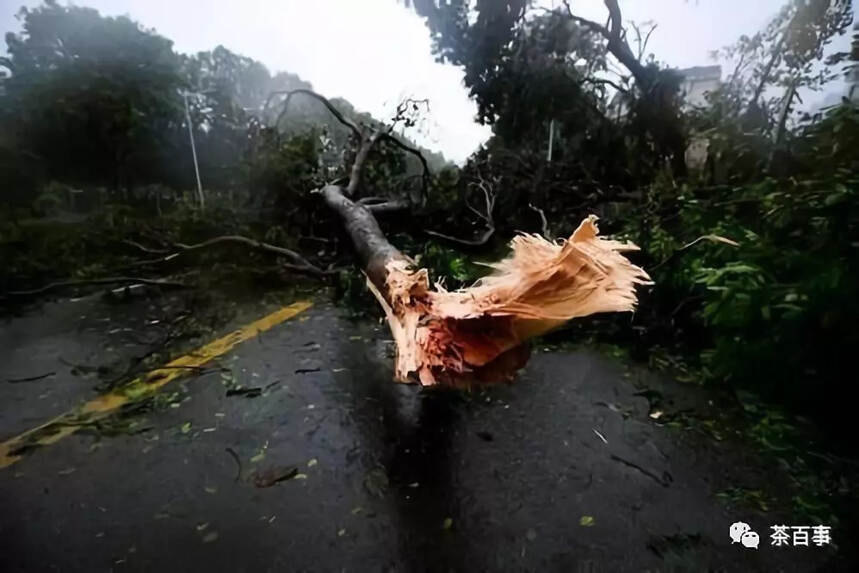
x: 561, y: 471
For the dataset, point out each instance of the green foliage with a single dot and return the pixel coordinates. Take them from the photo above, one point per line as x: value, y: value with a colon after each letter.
x: 774, y: 313
x: 89, y: 95
x: 771, y: 314
x: 283, y: 171
x: 452, y: 267
x: 100, y: 101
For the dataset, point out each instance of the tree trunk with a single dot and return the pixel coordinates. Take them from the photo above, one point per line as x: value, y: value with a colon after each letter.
x: 372, y: 247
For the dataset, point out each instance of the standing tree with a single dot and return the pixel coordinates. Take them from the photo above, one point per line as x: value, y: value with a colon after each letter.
x: 91, y: 97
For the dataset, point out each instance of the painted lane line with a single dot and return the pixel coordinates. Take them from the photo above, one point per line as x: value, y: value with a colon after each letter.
x: 68, y: 423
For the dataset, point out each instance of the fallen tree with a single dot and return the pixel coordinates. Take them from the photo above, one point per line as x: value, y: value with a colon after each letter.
x: 452, y: 338
x: 476, y: 334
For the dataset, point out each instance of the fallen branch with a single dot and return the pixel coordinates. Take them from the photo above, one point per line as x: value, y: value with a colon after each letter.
x: 106, y: 280
x: 300, y: 263
x: 711, y: 238
x: 488, y: 217
x: 478, y: 242
x: 367, y: 143
x: 425, y: 175
x: 389, y: 206
x: 145, y: 249
x: 29, y: 378
x: 648, y: 473
x: 238, y: 461
x: 545, y: 223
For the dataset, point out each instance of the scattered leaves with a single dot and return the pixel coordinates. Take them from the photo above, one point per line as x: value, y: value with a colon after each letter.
x: 210, y: 537
x: 587, y: 521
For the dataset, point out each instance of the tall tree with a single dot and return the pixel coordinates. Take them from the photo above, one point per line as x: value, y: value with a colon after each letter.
x: 90, y: 96
x: 498, y: 44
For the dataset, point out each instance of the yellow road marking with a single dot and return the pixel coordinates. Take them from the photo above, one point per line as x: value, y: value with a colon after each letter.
x: 100, y: 407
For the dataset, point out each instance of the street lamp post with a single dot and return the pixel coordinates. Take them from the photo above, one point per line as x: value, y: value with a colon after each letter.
x: 200, y: 197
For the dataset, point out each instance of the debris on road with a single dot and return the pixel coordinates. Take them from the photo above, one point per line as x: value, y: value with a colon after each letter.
x: 30, y: 378
x: 274, y: 475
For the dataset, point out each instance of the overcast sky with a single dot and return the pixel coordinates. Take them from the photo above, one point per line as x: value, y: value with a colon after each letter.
x: 375, y: 52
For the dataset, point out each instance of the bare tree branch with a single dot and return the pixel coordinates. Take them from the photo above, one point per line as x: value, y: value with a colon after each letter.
x: 299, y: 263
x: 370, y: 200
x: 584, y: 21
x: 478, y: 242
x: 617, y: 45
x: 737, y: 70
x: 605, y: 81
x: 366, y: 142
x: 334, y: 111
x: 389, y: 206
x: 646, y: 40
x: 425, y: 176
x: 543, y: 220
x: 489, y: 196
x: 765, y: 76
x: 145, y: 249
x: 684, y: 248
x: 101, y: 281
x: 785, y: 112
x: 642, y: 42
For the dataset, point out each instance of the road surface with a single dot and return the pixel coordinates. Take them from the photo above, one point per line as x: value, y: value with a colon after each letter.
x: 564, y: 470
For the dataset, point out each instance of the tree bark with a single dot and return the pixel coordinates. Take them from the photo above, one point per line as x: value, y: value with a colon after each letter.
x: 372, y: 247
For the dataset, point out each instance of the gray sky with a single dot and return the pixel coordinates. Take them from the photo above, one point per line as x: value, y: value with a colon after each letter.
x: 375, y: 52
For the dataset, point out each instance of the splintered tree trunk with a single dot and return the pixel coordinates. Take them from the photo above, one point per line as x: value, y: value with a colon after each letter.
x: 476, y: 335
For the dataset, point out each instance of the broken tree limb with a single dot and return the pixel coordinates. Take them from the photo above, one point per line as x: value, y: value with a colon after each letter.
x: 544, y: 227
x: 146, y: 249
x: 425, y: 174
x: 367, y: 143
x: 30, y: 378
x: 101, y: 281
x: 488, y: 217
x: 681, y: 250
x: 310, y: 93
x: 299, y: 263
x: 478, y: 242
x: 389, y: 206
x: 540, y: 286
x: 478, y: 334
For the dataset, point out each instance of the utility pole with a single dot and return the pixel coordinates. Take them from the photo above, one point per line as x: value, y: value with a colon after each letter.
x: 194, y: 152
x: 551, y: 140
